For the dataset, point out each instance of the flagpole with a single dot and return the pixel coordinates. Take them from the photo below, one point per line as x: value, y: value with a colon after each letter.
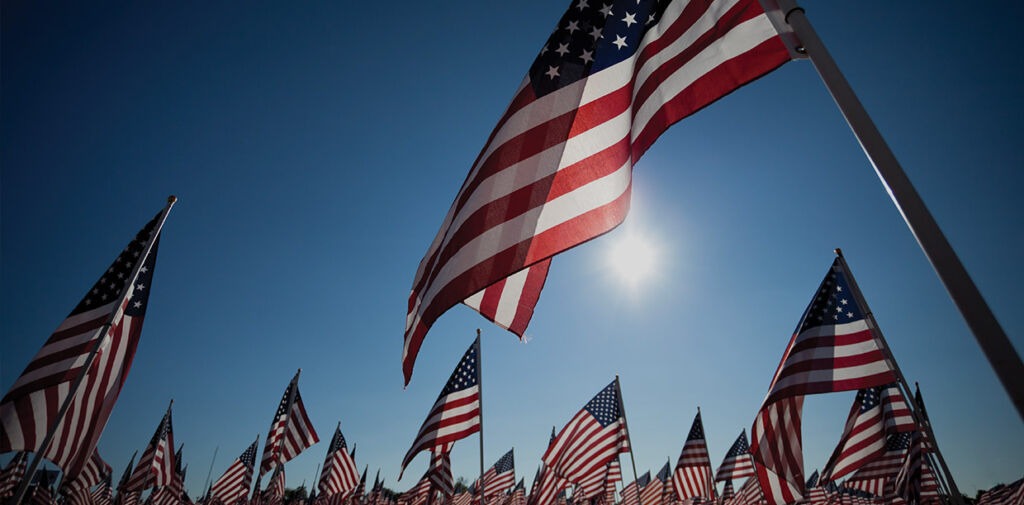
x: 73, y: 391
x: 210, y: 472
x: 316, y: 473
x: 480, y: 395
x: 632, y: 460
x: 901, y: 380
x: 979, y: 317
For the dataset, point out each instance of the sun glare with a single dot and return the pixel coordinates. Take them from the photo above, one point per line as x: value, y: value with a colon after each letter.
x: 633, y: 258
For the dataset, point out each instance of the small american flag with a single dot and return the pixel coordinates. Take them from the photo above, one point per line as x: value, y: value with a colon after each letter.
x: 907, y: 482
x: 737, y: 463
x: 1010, y: 494
x: 876, y: 413
x: 233, y: 485
x: 631, y: 493
x: 750, y: 493
x: 339, y: 474
x: 557, y: 169
x: 109, y: 318
x: 12, y: 475
x: 832, y: 349
x: 78, y: 490
x: 692, y: 476
x: 123, y: 493
x: 456, y: 412
x: 156, y: 465
x: 728, y: 493
x: 275, y: 489
x: 591, y: 439
x: 103, y: 494
x: 652, y: 493
x: 291, y: 431
x: 872, y: 477
x: 500, y: 476
x: 440, y: 473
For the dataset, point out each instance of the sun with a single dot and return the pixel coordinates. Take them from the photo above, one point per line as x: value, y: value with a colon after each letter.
x: 633, y: 257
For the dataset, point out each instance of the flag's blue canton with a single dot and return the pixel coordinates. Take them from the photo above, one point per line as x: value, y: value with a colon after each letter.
x: 740, y: 447
x: 697, y: 430
x: 464, y: 375
x: 644, y: 480
x: 591, y: 36
x: 813, y: 481
x: 898, y: 442
x: 505, y: 464
x: 869, y: 398
x: 114, y: 280
x: 834, y: 303
x: 664, y: 473
x: 605, y: 406
x: 337, y: 443
x: 248, y: 457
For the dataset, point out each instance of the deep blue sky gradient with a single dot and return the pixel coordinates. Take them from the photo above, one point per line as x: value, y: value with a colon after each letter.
x: 316, y: 146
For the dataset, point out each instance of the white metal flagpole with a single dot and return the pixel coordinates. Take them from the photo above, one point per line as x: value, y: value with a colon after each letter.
x: 979, y: 317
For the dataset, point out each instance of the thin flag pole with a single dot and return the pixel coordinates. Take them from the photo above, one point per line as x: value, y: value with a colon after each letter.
x: 316, y: 473
x: 625, y: 425
x: 210, y: 472
x: 73, y: 391
x: 961, y: 288
x: 480, y: 395
x: 869, y: 316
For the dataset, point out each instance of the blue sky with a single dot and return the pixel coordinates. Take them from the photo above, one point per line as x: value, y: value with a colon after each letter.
x: 316, y: 147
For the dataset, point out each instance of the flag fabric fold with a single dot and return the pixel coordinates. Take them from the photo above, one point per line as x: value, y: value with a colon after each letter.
x: 557, y: 169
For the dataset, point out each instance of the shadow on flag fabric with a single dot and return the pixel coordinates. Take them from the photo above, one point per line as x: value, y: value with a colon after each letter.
x: 832, y: 349
x: 109, y: 317
x: 456, y: 412
x: 557, y: 169
x: 291, y: 431
x: 591, y: 439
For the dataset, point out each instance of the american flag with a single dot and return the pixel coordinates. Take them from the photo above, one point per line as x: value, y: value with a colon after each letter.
x: 12, y: 475
x: 1010, y: 494
x: 156, y: 465
x: 518, y: 496
x: 598, y: 484
x: 591, y: 439
x: 692, y: 476
x: 171, y: 494
x: 816, y: 494
x: 872, y: 477
x: 291, y: 431
x: 500, y: 476
x: 832, y: 349
x: 876, y: 413
x: 738, y: 462
x: 274, y: 493
x: 651, y: 494
x: 233, y: 485
x: 109, y: 318
x: 550, y: 485
x: 339, y: 474
x: 78, y: 490
x: 509, y: 303
x: 631, y: 493
x: 122, y: 497
x: 43, y: 494
x: 728, y: 493
x: 557, y: 169
x: 358, y: 495
x: 440, y: 473
x: 456, y: 413
x: 907, y: 482
x: 750, y: 493
x: 103, y: 494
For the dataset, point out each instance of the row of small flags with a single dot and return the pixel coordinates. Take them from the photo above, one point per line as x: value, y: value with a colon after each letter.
x: 885, y: 449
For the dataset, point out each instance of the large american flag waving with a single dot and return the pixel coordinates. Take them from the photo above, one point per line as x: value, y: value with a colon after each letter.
x: 556, y: 171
